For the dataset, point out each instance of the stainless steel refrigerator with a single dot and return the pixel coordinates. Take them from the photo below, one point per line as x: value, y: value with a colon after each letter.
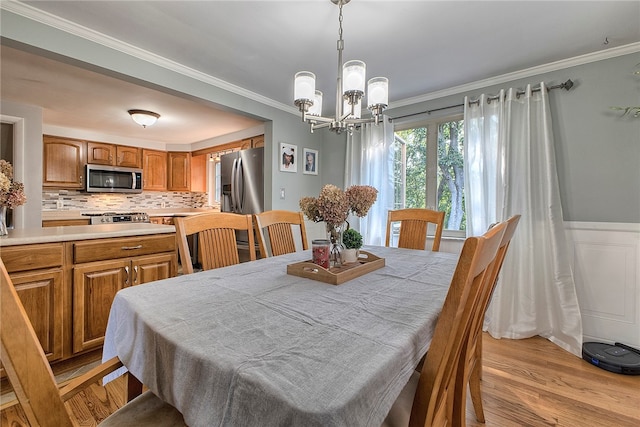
x: 242, y: 180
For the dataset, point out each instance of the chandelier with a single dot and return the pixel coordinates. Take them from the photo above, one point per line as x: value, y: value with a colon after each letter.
x: 349, y: 93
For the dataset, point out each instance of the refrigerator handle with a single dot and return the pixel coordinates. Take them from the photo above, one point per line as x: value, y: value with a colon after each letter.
x: 239, y: 184
x: 233, y: 183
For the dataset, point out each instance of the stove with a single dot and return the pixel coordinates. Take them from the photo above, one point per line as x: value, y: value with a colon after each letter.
x: 117, y: 218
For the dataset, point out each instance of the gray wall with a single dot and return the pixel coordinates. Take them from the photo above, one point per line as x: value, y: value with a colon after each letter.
x: 598, y: 152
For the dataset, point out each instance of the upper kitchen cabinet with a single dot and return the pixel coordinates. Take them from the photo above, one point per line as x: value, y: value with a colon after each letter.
x: 100, y: 153
x: 179, y: 175
x: 253, y: 142
x: 64, y: 162
x: 130, y: 157
x: 154, y: 165
x: 199, y: 173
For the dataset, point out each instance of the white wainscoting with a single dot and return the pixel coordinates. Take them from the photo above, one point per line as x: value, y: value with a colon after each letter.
x: 606, y: 267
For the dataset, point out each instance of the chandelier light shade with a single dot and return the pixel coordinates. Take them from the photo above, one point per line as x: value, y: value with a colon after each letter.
x: 350, y: 91
x: 143, y: 117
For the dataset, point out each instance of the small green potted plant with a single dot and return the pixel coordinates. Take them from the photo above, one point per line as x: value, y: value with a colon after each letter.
x: 352, y: 241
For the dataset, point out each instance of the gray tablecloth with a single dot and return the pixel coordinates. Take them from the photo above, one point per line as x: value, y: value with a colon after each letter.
x: 250, y: 345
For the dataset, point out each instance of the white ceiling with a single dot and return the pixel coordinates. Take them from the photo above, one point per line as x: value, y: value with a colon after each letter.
x: 421, y: 46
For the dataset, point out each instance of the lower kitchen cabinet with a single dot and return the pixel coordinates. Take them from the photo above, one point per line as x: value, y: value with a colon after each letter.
x: 67, y: 288
x: 96, y: 282
x: 37, y: 275
x: 41, y: 294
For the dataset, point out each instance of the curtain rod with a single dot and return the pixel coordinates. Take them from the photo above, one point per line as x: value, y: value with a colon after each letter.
x: 566, y: 85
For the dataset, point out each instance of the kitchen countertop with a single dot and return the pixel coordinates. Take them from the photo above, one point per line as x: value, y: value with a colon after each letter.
x: 63, y: 214
x: 28, y: 236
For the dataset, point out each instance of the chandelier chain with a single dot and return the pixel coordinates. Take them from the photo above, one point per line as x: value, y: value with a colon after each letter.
x: 340, y: 21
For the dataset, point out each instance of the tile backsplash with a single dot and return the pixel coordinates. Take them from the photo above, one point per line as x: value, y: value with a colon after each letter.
x: 77, y: 200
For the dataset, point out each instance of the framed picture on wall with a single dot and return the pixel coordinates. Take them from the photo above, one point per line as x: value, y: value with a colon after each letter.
x: 288, y: 155
x: 310, y: 158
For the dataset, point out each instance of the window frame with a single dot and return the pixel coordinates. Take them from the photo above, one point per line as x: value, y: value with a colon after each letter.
x: 432, y: 125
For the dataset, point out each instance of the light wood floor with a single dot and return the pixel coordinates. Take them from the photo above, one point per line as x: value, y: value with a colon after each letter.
x: 528, y: 382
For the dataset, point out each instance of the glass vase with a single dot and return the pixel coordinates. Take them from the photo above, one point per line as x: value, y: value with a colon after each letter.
x: 334, y: 234
x: 3, y: 221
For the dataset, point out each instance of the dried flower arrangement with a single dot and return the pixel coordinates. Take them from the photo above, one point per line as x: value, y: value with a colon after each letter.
x: 11, y: 192
x: 334, y: 205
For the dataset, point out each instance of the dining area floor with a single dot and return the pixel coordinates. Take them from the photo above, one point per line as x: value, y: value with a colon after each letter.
x: 529, y: 382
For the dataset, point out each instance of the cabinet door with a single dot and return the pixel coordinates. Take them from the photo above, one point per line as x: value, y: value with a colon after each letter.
x: 63, y: 162
x: 179, y: 172
x: 154, y: 170
x: 257, y: 141
x: 94, y: 288
x: 99, y: 153
x: 154, y: 267
x: 41, y: 294
x: 199, y: 173
x: 130, y: 157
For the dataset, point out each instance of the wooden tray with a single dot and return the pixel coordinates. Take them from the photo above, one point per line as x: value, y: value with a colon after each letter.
x: 367, y: 262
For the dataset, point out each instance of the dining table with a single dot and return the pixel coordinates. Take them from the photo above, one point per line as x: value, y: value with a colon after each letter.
x: 251, y: 345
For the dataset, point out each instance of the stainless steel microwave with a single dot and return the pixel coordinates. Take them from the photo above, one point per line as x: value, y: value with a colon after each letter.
x: 113, y: 179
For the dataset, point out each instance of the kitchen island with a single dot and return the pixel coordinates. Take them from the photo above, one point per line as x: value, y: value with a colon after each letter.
x: 67, y: 277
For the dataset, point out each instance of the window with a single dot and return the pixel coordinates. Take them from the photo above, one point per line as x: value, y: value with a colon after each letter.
x: 428, y: 169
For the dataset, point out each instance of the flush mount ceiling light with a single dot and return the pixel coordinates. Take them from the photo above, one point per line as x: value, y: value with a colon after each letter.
x: 349, y: 93
x: 143, y: 117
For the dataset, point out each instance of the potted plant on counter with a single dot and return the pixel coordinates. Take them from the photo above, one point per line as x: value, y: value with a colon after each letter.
x: 352, y: 241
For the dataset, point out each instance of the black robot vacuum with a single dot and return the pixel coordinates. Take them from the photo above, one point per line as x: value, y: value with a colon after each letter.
x: 618, y: 357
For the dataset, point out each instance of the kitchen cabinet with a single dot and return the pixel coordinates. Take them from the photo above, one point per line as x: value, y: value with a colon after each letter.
x: 37, y: 275
x: 102, y: 268
x: 63, y: 162
x: 64, y: 222
x: 154, y: 170
x: 253, y: 142
x: 199, y: 173
x: 162, y: 220
x: 100, y: 153
x: 179, y: 174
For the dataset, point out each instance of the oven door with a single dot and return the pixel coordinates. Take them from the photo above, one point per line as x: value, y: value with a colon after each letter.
x: 113, y: 179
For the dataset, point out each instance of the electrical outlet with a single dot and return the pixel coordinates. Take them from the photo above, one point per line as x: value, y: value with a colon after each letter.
x: 282, y: 193
x: 59, y: 204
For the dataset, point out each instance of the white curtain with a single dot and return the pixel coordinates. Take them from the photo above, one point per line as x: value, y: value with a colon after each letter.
x: 369, y: 161
x: 510, y: 168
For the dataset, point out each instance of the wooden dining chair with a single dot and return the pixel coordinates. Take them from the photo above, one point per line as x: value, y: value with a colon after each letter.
x: 279, y: 226
x: 30, y: 375
x: 413, y: 227
x: 471, y: 360
x: 216, y: 236
x: 428, y: 398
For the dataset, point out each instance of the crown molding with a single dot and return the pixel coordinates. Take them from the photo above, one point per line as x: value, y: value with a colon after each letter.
x: 522, y: 74
x: 115, y: 44
x: 128, y: 49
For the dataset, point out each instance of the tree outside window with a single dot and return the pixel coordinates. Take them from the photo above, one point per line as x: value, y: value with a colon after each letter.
x: 429, y: 171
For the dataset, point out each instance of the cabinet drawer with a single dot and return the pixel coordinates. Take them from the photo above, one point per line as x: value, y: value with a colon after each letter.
x: 103, y: 249
x: 32, y: 257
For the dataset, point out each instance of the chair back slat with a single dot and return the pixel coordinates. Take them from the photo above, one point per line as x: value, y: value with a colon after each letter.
x: 281, y: 238
x: 216, y: 238
x: 279, y: 225
x: 434, y: 398
x: 25, y: 363
x: 414, y: 224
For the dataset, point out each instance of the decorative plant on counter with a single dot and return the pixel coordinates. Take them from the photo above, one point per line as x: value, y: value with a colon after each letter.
x: 333, y: 207
x: 11, y: 194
